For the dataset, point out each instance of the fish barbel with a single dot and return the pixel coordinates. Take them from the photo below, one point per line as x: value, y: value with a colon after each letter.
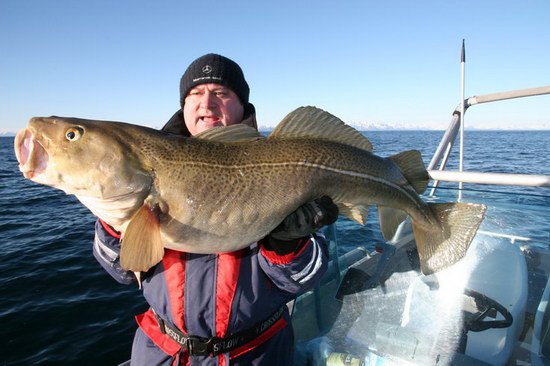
x: 227, y: 187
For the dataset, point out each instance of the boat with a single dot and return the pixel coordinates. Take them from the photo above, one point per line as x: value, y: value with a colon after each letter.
x: 375, y: 307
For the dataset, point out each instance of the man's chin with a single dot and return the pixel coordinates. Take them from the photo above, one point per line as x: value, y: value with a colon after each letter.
x: 203, y: 126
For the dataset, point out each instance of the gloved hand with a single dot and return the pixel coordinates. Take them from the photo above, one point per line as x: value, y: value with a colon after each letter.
x: 301, y: 223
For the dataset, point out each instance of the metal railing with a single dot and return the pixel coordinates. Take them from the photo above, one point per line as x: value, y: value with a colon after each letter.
x: 441, y: 155
x: 528, y: 180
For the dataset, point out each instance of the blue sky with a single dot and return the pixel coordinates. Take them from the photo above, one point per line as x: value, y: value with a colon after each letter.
x: 389, y: 62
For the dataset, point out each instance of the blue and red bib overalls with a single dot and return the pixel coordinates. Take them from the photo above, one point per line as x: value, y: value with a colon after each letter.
x: 217, y: 295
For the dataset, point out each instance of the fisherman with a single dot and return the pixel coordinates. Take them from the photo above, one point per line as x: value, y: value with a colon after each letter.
x: 226, y: 308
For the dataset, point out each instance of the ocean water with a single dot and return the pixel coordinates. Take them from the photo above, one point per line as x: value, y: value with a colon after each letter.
x: 57, y: 306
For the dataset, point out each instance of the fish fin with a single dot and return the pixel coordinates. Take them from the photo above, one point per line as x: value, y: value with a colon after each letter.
x: 233, y: 133
x: 357, y: 213
x: 141, y: 246
x: 138, y: 278
x: 312, y: 122
x: 411, y: 165
x: 440, y: 247
x: 390, y: 219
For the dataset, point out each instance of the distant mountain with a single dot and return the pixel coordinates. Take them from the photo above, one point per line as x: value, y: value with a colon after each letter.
x: 380, y: 126
x: 372, y: 126
x: 7, y: 134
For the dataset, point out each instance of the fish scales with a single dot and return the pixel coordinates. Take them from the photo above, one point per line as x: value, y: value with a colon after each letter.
x: 224, y: 184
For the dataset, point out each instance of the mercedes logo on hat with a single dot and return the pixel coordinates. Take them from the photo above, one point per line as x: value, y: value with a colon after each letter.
x: 207, y: 69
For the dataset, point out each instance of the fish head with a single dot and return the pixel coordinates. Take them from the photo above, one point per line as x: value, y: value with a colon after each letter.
x: 81, y: 157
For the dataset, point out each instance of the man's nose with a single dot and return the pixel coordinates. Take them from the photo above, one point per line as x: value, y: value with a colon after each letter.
x: 207, y: 99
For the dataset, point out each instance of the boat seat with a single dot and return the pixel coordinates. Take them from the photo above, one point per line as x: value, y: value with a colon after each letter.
x: 492, y: 267
x: 502, y: 276
x: 540, y: 349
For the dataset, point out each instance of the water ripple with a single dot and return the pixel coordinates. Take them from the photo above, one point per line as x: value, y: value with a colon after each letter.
x: 58, y: 306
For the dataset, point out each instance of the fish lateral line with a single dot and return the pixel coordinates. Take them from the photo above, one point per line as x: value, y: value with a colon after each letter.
x: 350, y: 173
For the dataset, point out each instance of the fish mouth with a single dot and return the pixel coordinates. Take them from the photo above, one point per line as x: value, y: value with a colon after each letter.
x: 31, y: 155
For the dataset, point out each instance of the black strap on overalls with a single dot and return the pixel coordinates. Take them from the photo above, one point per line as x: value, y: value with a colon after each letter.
x: 213, y: 346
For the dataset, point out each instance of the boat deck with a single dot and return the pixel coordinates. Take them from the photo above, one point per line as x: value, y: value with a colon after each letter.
x: 400, y: 315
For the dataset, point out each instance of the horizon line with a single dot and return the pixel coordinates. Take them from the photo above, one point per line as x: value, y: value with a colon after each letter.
x: 390, y: 129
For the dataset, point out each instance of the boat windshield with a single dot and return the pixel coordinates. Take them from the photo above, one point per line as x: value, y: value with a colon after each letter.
x: 481, y: 310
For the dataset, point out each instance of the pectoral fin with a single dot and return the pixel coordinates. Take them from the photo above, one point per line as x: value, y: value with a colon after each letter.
x: 138, y: 278
x: 141, y: 246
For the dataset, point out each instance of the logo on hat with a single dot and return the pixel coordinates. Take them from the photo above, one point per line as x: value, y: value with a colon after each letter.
x: 207, y: 69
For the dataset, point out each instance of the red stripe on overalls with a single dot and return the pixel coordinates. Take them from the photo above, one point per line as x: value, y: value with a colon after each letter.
x: 286, y: 258
x: 229, y: 265
x: 174, y: 272
x: 110, y: 230
x: 227, y: 278
x: 277, y: 326
x: 149, y: 325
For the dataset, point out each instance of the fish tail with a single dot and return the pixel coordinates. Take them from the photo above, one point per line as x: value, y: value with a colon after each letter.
x: 440, y: 246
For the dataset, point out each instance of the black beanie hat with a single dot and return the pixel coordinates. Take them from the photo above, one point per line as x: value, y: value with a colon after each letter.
x: 217, y: 69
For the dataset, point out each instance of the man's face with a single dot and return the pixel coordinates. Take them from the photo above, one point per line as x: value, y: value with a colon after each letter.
x: 211, y: 105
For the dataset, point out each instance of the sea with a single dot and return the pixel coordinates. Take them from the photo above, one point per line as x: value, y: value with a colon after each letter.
x: 57, y: 305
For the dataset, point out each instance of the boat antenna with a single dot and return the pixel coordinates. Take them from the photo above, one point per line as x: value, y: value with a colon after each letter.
x: 462, y: 109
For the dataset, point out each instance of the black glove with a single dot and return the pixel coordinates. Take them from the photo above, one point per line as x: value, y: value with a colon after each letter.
x: 297, y: 226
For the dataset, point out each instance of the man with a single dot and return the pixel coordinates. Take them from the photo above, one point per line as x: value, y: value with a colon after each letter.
x: 226, y: 308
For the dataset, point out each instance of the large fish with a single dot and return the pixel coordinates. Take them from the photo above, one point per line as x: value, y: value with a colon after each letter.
x: 228, y: 187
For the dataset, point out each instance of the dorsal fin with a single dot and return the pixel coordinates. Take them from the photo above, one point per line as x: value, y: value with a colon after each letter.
x: 312, y: 122
x: 411, y: 165
x: 239, y: 132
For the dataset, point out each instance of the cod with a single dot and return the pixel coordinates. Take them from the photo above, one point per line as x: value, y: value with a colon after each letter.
x: 228, y: 187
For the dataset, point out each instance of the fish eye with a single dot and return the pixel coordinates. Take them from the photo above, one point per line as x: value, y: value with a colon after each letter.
x: 73, y: 133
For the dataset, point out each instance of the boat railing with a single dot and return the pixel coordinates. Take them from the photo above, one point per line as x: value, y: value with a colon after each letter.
x: 436, y: 167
